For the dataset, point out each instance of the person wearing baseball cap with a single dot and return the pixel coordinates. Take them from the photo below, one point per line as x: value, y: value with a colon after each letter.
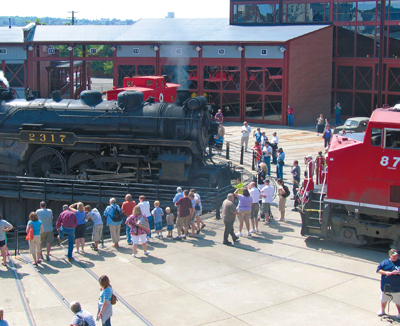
x: 179, y: 194
x: 390, y: 281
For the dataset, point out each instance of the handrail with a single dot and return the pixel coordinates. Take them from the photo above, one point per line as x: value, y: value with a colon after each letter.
x: 320, y: 198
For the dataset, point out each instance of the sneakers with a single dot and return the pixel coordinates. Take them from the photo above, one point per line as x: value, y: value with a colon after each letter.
x: 228, y: 243
x: 77, y: 251
x: 239, y: 234
x: 281, y: 220
x: 184, y: 237
x: 252, y: 231
x: 41, y: 257
x: 47, y: 258
x: 381, y: 313
x: 156, y: 236
x: 133, y: 255
x: 257, y: 231
x: 95, y: 249
x: 178, y: 237
x: 147, y: 253
x: 130, y: 243
x: 70, y: 259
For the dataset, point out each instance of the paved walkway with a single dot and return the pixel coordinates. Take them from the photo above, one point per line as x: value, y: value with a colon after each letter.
x: 275, y: 277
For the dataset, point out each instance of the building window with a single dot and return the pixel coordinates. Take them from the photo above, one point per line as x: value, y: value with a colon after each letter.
x: 345, y: 41
x: 317, y: 12
x: 243, y: 14
x: 365, y: 39
x: 394, y: 10
x: 345, y: 11
x: 294, y: 12
x: 366, y: 11
x: 267, y: 13
x: 394, y: 43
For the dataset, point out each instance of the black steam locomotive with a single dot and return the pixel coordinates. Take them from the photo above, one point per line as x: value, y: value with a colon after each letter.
x: 128, y: 139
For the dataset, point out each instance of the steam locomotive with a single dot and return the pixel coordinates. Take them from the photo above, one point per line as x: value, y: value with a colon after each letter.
x: 128, y: 139
x: 360, y: 202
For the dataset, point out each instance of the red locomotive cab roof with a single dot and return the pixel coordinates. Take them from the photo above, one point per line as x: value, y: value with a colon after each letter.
x: 387, y: 115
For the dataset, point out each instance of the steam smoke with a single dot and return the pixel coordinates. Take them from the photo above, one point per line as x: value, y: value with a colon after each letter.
x: 4, y: 79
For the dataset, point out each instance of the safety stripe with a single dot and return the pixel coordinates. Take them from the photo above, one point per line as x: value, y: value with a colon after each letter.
x: 345, y: 202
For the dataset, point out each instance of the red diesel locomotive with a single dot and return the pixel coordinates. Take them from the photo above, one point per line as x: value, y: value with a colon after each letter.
x: 359, y: 200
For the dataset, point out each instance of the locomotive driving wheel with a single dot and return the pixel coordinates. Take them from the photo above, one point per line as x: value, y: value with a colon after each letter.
x: 46, y: 161
x: 78, y: 163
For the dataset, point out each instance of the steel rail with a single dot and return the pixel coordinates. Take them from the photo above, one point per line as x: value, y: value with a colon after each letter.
x: 119, y: 297
x: 21, y: 292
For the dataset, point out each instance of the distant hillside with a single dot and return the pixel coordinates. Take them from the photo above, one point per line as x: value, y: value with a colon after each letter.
x: 22, y: 21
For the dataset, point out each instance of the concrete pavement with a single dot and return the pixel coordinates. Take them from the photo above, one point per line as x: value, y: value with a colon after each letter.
x: 273, y: 277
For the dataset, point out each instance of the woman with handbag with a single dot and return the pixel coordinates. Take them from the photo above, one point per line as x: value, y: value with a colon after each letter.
x: 4, y: 227
x: 105, y: 310
x: 140, y: 228
x: 34, y: 226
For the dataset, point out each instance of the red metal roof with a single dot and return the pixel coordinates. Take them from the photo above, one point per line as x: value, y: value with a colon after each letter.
x: 386, y: 116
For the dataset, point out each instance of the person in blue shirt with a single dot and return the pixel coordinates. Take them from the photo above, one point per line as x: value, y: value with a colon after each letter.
x: 115, y: 227
x: 327, y: 136
x: 280, y: 155
x: 34, y: 244
x: 219, y: 143
x: 258, y: 135
x: 390, y: 281
x: 157, y: 214
x: 81, y: 315
x: 179, y: 194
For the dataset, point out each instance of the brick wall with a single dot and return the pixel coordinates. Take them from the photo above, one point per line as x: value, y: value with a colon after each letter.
x: 310, y: 76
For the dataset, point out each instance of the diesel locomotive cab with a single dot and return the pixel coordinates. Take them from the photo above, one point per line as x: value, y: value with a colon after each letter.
x: 130, y: 138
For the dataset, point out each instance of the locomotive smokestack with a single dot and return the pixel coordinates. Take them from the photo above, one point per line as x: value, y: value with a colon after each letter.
x: 181, y: 96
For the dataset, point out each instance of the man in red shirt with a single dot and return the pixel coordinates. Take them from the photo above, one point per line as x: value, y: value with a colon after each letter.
x: 185, y: 211
x: 66, y: 224
x: 127, y: 208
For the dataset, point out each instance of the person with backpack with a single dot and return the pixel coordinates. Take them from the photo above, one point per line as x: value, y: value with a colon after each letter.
x: 114, y: 220
x: 283, y: 193
x: 81, y: 317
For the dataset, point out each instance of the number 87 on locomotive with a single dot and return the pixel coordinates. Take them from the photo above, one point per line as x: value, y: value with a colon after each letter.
x: 359, y: 200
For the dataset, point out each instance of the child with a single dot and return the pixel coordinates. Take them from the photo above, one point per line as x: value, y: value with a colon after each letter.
x: 219, y: 142
x: 157, y: 213
x: 170, y: 222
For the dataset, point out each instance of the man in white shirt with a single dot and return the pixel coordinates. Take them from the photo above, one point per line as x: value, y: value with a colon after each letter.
x: 274, y: 144
x: 255, y: 195
x: 246, y: 130
x: 267, y: 195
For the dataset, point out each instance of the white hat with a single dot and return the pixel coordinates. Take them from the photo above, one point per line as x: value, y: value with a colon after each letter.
x: 309, y: 156
x: 179, y: 189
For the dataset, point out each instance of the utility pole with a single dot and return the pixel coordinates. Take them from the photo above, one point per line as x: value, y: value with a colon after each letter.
x: 73, y: 16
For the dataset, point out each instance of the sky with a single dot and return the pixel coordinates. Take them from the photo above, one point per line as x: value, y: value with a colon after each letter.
x: 121, y: 9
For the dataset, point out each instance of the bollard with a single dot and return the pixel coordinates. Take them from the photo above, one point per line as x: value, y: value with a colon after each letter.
x: 217, y: 207
x: 241, y: 155
x: 16, y: 246
x: 227, y: 150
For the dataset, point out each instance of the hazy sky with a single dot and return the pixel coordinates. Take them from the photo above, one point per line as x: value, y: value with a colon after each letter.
x: 120, y: 9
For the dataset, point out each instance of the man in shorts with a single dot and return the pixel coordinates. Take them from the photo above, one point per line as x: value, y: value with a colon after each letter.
x: 255, y: 194
x: 185, y: 211
x: 390, y: 281
x: 267, y: 195
x: 46, y: 216
x: 94, y: 215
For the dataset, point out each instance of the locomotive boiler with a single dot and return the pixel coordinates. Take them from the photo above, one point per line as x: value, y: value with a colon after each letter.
x: 359, y: 201
x: 128, y: 139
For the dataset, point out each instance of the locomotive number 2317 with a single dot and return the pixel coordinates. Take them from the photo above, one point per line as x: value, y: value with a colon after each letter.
x: 390, y: 162
x: 45, y: 137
